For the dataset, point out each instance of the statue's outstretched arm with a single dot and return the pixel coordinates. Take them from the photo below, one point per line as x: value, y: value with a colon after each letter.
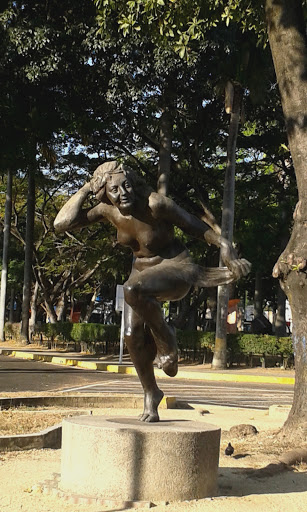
x: 195, y: 227
x: 72, y: 216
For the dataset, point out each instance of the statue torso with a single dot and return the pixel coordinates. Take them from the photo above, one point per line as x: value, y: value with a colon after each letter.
x: 147, y: 233
x: 146, y: 237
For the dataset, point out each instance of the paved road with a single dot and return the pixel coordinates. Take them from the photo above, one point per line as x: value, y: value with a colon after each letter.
x: 256, y: 396
x: 20, y: 375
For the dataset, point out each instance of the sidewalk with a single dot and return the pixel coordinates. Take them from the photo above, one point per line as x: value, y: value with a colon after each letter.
x: 190, y: 372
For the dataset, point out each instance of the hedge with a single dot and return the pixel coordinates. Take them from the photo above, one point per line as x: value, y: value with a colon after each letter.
x: 88, y: 333
x: 196, y: 341
x: 240, y: 343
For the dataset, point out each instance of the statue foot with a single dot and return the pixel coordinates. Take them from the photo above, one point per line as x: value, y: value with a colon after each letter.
x: 168, y: 363
x: 149, y: 418
x: 151, y: 403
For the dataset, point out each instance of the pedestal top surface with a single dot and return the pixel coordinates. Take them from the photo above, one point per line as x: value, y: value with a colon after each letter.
x: 128, y: 423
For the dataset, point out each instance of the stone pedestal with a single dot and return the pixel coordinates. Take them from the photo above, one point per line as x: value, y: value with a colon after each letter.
x: 125, y: 459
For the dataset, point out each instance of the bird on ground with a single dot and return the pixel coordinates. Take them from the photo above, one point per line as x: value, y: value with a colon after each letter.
x: 229, y: 450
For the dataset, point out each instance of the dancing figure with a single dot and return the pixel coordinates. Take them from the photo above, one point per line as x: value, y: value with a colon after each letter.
x: 162, y: 267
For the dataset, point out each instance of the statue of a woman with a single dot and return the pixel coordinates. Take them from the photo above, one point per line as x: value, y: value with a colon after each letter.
x: 162, y: 267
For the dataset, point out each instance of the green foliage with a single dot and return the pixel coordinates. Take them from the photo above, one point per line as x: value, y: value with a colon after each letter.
x: 179, y: 23
x: 89, y: 333
x: 285, y: 346
x: 195, y: 339
x: 247, y: 344
x: 51, y: 331
x: 253, y: 344
x: 241, y: 343
x: 94, y: 332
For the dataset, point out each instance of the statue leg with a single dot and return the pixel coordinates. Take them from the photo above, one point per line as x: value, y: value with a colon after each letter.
x: 142, y: 350
x: 143, y: 292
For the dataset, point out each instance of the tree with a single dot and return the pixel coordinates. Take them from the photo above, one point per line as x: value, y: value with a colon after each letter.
x: 36, y: 41
x: 287, y: 37
x: 29, y: 239
x: 234, y: 109
x: 5, y: 261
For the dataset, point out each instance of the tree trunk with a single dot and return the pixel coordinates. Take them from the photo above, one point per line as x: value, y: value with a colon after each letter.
x: 6, y: 241
x: 50, y: 311
x: 61, y: 307
x: 91, y: 305
x: 220, y: 351
x: 45, y: 293
x: 164, y: 165
x: 32, y: 320
x: 280, y: 321
x: 12, y: 302
x: 286, y: 29
x: 28, y: 258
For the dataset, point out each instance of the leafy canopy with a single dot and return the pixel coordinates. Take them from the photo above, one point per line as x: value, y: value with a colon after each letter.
x: 179, y: 23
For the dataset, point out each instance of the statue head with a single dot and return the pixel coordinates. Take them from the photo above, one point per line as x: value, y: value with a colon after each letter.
x: 104, y: 174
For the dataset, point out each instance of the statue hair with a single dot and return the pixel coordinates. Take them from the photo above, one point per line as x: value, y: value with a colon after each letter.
x: 104, y: 172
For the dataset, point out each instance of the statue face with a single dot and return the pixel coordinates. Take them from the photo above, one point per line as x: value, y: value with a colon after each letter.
x: 120, y: 192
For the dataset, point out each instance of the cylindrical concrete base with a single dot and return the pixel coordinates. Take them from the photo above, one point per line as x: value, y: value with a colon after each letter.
x: 125, y: 459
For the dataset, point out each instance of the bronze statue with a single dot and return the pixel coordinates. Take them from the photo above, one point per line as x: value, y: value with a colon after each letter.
x: 162, y: 268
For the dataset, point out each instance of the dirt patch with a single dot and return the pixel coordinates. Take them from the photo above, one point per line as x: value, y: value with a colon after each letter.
x: 18, y: 421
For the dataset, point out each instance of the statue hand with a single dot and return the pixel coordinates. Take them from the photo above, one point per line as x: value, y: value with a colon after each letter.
x: 96, y: 184
x: 239, y: 267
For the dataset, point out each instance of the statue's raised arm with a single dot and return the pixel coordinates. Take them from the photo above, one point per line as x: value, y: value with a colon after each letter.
x: 73, y: 216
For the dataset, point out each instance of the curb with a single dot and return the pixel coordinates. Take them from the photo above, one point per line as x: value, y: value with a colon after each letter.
x: 130, y: 370
x: 237, y: 378
x: 49, y: 438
